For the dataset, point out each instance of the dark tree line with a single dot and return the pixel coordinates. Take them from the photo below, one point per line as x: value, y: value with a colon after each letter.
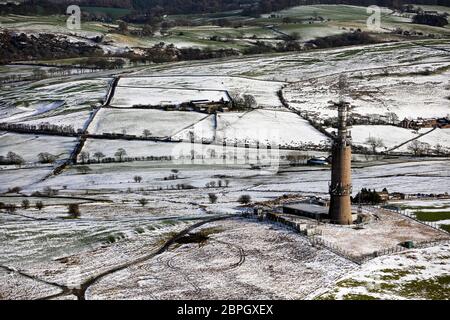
x: 161, y: 52
x: 36, y: 128
x: 340, y: 40
x: 17, y: 47
x: 431, y: 20
x: 144, y: 8
x: 32, y: 7
x: 367, y: 196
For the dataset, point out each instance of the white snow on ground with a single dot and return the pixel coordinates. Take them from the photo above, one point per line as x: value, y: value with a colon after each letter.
x: 412, y: 177
x: 267, y: 126
x: 160, y: 123
x: 49, y: 98
x: 28, y: 146
x: 402, y: 95
x: 22, y: 177
x: 414, y: 274
x: 181, y: 151
x: 390, y: 135
x: 308, y: 65
x: 201, y: 131
x: 75, y: 119
x: 438, y: 136
x: 127, y: 97
x: 241, y: 259
x: 17, y: 287
x: 265, y: 92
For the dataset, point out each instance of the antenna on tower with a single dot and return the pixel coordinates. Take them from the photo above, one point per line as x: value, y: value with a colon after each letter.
x: 343, y: 87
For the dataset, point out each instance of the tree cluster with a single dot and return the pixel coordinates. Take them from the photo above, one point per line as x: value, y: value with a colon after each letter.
x: 341, y: 40
x: 44, y: 46
x: 430, y: 19
x: 367, y: 196
x: 44, y: 127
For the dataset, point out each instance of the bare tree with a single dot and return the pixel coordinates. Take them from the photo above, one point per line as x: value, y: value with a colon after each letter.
x: 84, y: 156
x: 143, y: 202
x: 212, y: 197
x: 45, y: 157
x: 39, y: 205
x: 249, y: 101
x: 374, y: 143
x: 392, y: 117
x: 244, y: 199
x: 99, y: 155
x: 120, y: 153
x: 146, y: 133
x: 25, y: 204
x: 74, y: 211
x: 14, y: 158
x: 418, y: 148
x: 243, y: 102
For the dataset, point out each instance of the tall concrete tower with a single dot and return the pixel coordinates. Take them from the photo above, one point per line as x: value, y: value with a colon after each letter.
x: 341, y: 180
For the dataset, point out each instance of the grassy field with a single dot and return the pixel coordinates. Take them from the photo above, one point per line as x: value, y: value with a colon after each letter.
x: 337, y: 19
x: 432, y: 216
x: 115, y: 13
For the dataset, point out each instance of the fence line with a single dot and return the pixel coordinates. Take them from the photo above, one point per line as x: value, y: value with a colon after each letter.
x: 413, y: 217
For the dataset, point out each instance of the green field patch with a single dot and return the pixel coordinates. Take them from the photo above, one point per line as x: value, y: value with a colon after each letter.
x: 351, y: 283
x: 115, y: 13
x: 432, y: 216
x: 356, y: 296
x: 437, y: 288
x: 393, y: 274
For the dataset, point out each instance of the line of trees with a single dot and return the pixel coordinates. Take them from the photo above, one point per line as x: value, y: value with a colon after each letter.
x: 367, y: 196
x: 12, y: 158
x: 44, y: 46
x: 430, y: 19
x: 44, y: 127
x: 248, y: 7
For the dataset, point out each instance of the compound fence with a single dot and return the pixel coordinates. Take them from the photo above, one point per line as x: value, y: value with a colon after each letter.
x: 412, y: 216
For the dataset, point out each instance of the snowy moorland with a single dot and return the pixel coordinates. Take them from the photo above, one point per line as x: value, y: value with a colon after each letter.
x: 165, y: 172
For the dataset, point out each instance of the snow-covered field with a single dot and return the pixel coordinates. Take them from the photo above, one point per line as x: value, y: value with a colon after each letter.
x: 267, y: 126
x: 241, y: 259
x: 391, y: 136
x: 319, y: 63
x: 437, y: 137
x: 28, y: 146
x: 40, y: 102
x: 265, y: 92
x: 133, y: 122
x: 408, y: 177
x: 400, y: 93
x: 414, y: 274
x: 127, y: 97
x: 124, y: 222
